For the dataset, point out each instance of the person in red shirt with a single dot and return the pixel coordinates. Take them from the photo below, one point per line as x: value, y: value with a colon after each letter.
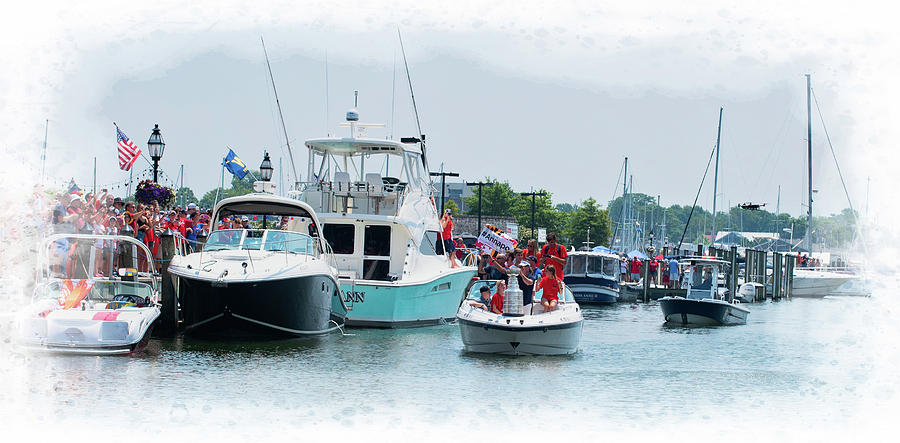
x: 447, y: 237
x: 497, y: 298
x: 551, y: 287
x: 553, y: 253
x: 652, y: 267
x: 635, y: 269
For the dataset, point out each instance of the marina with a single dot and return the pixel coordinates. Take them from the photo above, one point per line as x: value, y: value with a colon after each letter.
x: 445, y: 223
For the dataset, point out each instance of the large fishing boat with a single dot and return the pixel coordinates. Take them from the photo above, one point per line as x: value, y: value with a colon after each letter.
x: 373, y: 197
x: 272, y: 277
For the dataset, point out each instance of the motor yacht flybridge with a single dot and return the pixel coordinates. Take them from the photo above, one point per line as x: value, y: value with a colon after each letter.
x: 373, y: 197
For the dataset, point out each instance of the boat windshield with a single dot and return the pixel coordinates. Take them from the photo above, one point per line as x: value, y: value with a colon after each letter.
x: 71, y: 292
x: 610, y: 266
x: 260, y: 239
x: 602, y: 265
x: 475, y: 291
x: 579, y: 262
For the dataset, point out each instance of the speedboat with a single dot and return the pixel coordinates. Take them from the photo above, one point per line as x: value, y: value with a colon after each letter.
x: 100, y: 315
x: 592, y: 276
x: 704, y: 304
x: 817, y: 283
x: 274, y: 277
x: 520, y: 330
x: 373, y: 196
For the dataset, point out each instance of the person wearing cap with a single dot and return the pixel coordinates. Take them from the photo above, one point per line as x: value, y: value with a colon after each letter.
x: 485, y: 301
x: 447, y: 237
x: 537, y: 273
x: 483, y: 260
x: 496, y: 269
x: 526, y: 282
x: 245, y: 222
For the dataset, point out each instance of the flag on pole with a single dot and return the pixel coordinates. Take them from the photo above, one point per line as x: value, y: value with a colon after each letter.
x: 234, y: 165
x: 128, y: 151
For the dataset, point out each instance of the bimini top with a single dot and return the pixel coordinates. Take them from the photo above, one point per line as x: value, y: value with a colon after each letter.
x: 349, y: 146
x: 263, y: 204
x: 704, y: 261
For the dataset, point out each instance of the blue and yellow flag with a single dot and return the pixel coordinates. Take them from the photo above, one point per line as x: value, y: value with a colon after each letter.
x: 235, y: 165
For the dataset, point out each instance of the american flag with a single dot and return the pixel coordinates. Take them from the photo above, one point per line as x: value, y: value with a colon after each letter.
x: 128, y: 151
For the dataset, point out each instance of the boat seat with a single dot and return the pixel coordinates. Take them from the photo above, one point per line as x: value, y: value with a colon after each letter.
x: 341, y: 187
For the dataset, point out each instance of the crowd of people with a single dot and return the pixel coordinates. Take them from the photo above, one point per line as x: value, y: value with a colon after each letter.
x: 104, y: 214
x: 539, y: 270
x: 661, y: 272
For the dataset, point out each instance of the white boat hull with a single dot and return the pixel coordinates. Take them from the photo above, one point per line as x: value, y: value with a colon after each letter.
x: 554, y: 333
x: 817, y: 284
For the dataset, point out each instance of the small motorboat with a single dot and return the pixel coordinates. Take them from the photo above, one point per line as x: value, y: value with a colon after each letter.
x: 520, y: 330
x: 591, y: 275
x: 99, y: 315
x: 747, y: 292
x: 704, y: 304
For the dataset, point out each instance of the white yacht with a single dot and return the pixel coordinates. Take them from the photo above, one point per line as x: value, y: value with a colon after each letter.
x: 275, y: 277
x: 373, y: 197
x: 817, y: 283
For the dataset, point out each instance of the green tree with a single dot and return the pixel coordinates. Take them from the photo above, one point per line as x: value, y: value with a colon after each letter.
x: 238, y: 187
x: 451, y: 205
x: 184, y: 195
x: 545, y: 214
x: 588, y: 215
x: 495, y: 200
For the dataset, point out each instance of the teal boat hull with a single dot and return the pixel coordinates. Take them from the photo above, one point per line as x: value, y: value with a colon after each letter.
x: 380, y: 304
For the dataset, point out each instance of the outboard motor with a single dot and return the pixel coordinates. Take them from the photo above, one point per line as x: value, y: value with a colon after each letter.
x: 512, y: 298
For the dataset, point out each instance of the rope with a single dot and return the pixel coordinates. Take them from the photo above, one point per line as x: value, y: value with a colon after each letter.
x: 838, y: 166
x: 688, y: 222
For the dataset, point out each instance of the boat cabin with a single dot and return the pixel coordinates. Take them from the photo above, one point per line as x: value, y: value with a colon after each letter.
x: 362, y: 176
x: 592, y: 264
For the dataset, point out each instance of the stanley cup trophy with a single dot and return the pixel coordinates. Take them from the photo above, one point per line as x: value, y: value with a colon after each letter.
x: 512, y: 298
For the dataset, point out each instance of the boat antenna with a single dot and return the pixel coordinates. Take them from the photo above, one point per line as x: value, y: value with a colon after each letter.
x: 415, y: 109
x: 686, y: 224
x: 326, y: 91
x: 281, y: 115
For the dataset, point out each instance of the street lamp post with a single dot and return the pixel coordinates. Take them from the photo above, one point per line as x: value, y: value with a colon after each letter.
x: 480, y: 185
x: 156, y: 146
x: 533, y: 195
x: 265, y: 168
x: 443, y: 175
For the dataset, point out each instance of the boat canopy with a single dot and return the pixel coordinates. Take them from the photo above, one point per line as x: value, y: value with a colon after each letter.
x: 358, y: 146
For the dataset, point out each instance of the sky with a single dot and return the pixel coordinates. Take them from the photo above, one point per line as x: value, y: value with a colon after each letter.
x: 543, y: 96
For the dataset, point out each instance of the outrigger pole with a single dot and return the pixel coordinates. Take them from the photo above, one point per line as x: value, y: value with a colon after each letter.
x: 415, y: 109
x: 281, y: 115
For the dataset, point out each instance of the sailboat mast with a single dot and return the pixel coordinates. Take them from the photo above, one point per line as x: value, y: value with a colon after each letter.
x: 624, y: 201
x: 809, y: 163
x: 712, y: 237
x: 44, y: 153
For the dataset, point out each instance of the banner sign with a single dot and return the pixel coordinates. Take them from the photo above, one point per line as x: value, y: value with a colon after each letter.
x: 542, y: 235
x: 512, y: 229
x: 494, y: 239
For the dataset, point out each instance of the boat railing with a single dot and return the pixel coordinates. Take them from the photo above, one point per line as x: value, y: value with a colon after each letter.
x: 357, y: 197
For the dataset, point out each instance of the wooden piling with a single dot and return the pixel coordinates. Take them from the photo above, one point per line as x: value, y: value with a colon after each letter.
x: 168, y: 319
x: 645, y: 272
x: 789, y: 276
x: 776, y: 275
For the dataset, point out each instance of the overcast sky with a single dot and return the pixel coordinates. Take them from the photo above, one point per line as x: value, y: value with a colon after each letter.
x: 546, y: 96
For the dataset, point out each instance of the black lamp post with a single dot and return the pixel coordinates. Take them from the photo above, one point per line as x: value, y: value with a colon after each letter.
x: 480, y: 185
x: 533, y: 195
x: 156, y: 146
x: 265, y: 168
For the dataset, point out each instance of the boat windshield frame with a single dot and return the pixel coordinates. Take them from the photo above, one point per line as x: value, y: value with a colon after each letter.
x: 262, y: 240
x: 98, y: 289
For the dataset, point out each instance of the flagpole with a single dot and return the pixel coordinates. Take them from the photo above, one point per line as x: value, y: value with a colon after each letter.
x: 130, y: 180
x: 222, y: 182
x: 95, y: 177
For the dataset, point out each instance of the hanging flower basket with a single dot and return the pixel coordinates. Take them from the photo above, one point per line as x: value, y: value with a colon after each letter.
x: 148, y: 191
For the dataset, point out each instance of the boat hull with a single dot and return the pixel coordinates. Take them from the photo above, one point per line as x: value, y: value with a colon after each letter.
x: 593, y: 290
x: 704, y: 312
x: 401, y: 305
x: 295, y: 306
x: 88, y: 337
x: 817, y: 286
x: 539, y: 340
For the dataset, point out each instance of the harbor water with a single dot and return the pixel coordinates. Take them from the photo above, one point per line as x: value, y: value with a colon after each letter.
x: 806, y: 368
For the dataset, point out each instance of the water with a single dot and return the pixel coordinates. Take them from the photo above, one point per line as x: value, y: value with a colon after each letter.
x: 801, y: 366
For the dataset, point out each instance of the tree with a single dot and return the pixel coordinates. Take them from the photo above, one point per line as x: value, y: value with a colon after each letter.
x: 495, y: 200
x: 451, y: 205
x: 184, y: 195
x: 238, y: 187
x: 545, y: 214
x: 588, y: 215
